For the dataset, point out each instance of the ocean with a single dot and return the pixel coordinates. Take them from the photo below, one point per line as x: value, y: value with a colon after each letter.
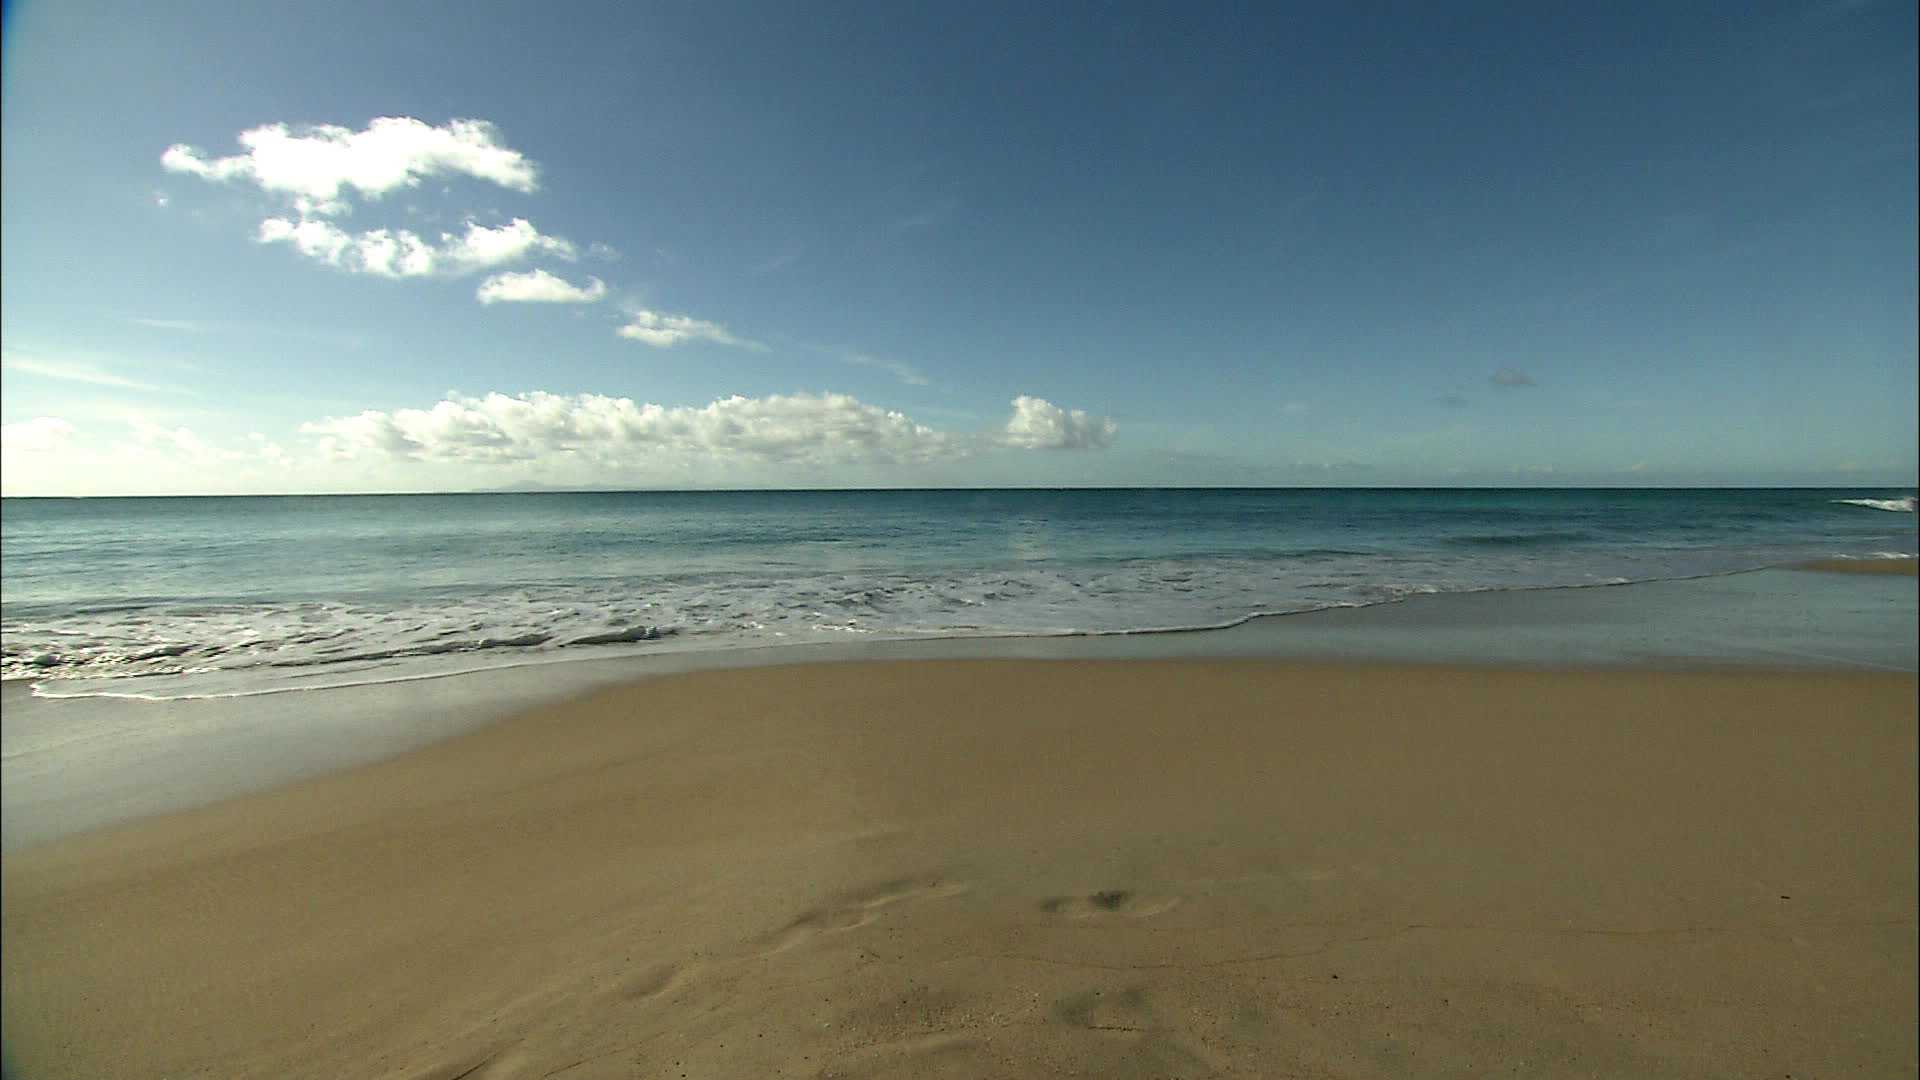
x: 201, y: 597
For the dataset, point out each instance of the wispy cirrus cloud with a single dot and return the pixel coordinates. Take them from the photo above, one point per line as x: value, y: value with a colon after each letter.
x: 77, y: 372
x: 663, y: 331
x: 314, y: 167
x: 774, y: 264
x: 184, y: 326
x: 926, y: 217
x: 905, y: 372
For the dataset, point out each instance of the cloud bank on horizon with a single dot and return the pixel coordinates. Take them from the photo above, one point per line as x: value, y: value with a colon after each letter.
x: 582, y: 438
x: 785, y: 429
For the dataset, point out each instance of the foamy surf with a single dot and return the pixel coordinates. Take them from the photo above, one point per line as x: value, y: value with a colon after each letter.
x: 297, y: 594
x: 1904, y: 506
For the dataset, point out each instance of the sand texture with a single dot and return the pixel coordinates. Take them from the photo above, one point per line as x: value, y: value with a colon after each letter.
x: 1006, y: 868
x: 1896, y: 567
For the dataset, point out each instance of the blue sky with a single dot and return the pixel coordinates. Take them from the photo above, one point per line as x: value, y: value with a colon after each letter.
x: 842, y: 245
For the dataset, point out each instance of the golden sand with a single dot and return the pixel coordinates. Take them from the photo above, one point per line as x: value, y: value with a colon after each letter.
x: 1007, y: 868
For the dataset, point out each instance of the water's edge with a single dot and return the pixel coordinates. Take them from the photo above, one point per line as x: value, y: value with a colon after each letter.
x: 173, y: 687
x: 68, y: 764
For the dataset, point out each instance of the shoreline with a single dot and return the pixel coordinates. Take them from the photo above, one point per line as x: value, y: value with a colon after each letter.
x: 1149, y: 867
x: 71, y: 764
x: 1895, y: 567
x: 1890, y: 567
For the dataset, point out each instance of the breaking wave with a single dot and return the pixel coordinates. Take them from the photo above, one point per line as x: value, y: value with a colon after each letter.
x: 1902, y: 505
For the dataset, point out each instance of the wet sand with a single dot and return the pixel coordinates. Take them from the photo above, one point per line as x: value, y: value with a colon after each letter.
x: 1898, y: 567
x: 1019, y: 868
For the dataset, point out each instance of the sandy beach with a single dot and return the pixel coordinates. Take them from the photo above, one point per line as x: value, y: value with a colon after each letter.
x: 1007, y: 868
x: 1895, y: 567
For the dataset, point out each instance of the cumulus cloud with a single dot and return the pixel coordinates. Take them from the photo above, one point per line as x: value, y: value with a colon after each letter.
x: 1038, y: 424
x: 314, y: 166
x: 480, y: 247
x: 502, y: 428
x: 40, y: 435
x: 796, y: 429
x: 1507, y: 376
x: 183, y: 443
x: 666, y: 331
x: 402, y: 253
x: 267, y: 450
x: 538, y: 287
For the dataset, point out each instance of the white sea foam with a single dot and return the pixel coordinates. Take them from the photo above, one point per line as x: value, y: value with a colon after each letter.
x: 323, y: 629
x: 182, y: 650
x: 1902, y: 505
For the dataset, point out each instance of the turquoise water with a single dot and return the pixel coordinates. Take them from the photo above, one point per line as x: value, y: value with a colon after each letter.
x: 112, y: 595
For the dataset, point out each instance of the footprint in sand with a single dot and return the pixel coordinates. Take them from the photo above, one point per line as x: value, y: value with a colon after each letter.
x: 858, y: 910
x: 654, y: 982
x: 1109, y: 902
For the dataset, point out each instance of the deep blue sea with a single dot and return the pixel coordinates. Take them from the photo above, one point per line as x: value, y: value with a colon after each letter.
x: 249, y: 593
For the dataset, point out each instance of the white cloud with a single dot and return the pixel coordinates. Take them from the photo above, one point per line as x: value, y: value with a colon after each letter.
x: 538, y: 287
x: 402, y: 253
x: 481, y: 248
x: 1510, y: 377
x: 40, y: 435
x: 313, y: 166
x: 396, y: 254
x: 1038, y: 424
x: 315, y: 239
x: 797, y: 429
x: 184, y: 326
x: 182, y: 443
x: 269, y: 451
x: 665, y: 331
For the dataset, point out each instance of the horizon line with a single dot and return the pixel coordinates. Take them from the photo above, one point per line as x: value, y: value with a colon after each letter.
x: 1023, y: 487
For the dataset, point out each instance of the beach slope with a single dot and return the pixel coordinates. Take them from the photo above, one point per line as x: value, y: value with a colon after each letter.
x: 1016, y: 868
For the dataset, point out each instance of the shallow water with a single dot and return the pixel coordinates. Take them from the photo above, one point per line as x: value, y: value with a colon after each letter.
x: 216, y: 596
